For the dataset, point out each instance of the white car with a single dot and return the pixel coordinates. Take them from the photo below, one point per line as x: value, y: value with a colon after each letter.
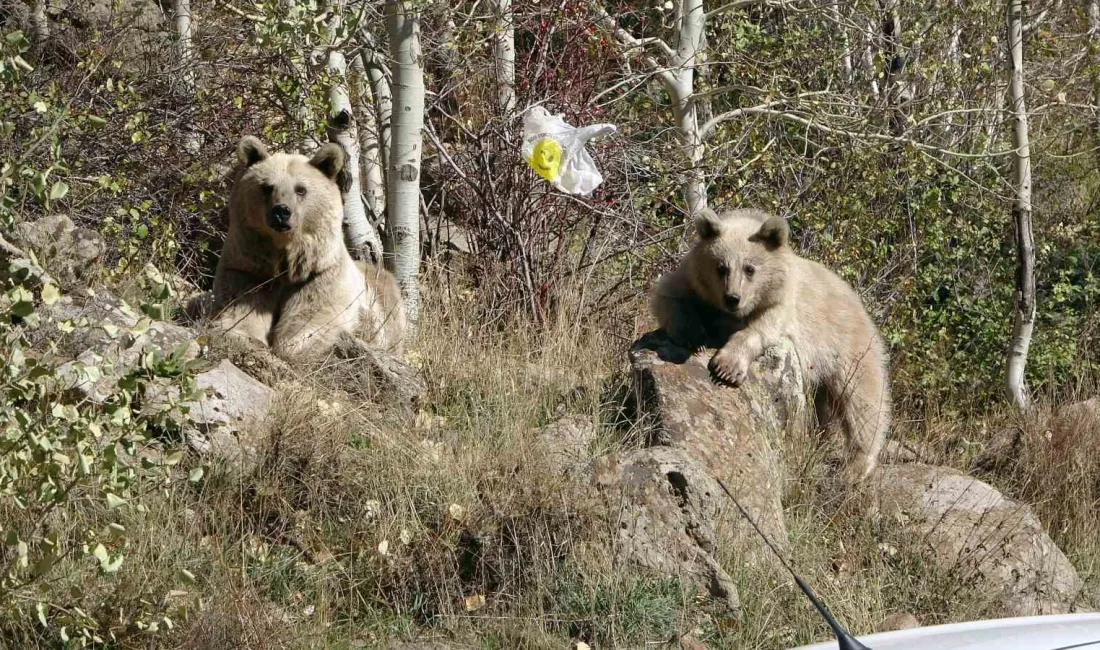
x: 1055, y: 632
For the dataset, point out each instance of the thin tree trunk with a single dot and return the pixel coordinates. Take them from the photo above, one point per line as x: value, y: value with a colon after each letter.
x: 383, y: 97
x: 359, y: 233
x: 692, y: 27
x: 869, y: 60
x: 40, y: 24
x: 192, y: 140
x: 1024, y: 304
x: 403, y: 172
x: 845, y: 42
x: 1094, y: 54
x: 374, y: 185
x: 504, y: 56
x: 954, y: 69
x: 895, y: 65
x: 296, y: 107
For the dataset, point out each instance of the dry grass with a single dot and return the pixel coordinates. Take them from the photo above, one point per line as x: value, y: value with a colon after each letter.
x: 362, y: 525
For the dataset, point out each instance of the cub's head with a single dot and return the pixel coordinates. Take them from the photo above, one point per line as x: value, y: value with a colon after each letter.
x: 284, y: 193
x: 740, y: 263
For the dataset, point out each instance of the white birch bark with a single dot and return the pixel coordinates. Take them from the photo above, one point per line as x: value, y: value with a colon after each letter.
x: 845, y: 42
x: 40, y: 23
x: 869, y: 60
x: 504, y: 55
x: 403, y: 170
x: 688, y: 50
x: 1024, y: 304
x: 359, y: 233
x: 370, y: 149
x: 185, y: 54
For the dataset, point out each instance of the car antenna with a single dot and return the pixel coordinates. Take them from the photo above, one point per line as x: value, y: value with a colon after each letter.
x: 845, y: 641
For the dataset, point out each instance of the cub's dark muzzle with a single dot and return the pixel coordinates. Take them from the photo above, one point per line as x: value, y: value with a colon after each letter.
x: 279, y: 218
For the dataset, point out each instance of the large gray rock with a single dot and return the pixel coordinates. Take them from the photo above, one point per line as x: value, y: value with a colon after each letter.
x: 665, y: 508
x: 101, y: 338
x: 992, y: 543
x: 62, y: 248
x: 228, y: 424
x: 734, y: 434
x: 671, y: 514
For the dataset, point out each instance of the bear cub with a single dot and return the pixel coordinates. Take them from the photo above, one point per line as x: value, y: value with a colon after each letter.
x: 742, y: 288
x: 285, y: 277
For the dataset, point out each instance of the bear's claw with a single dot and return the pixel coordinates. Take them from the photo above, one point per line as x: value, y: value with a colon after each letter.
x: 730, y: 367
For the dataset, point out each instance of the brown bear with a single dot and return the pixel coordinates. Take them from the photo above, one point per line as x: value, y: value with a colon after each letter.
x: 285, y: 277
x: 742, y: 288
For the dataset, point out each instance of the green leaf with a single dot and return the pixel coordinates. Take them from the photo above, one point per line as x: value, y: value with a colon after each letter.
x: 100, y: 553
x: 59, y: 190
x: 41, y: 609
x: 114, y: 501
x: 186, y: 577
x: 196, y: 474
x: 50, y: 294
x: 114, y: 564
x: 173, y: 457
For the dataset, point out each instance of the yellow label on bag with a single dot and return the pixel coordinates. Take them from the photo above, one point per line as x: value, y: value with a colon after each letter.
x: 546, y: 158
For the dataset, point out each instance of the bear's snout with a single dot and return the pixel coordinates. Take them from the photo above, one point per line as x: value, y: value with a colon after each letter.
x: 731, y: 301
x: 279, y: 218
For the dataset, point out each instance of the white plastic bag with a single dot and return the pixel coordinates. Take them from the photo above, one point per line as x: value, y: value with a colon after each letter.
x: 555, y: 150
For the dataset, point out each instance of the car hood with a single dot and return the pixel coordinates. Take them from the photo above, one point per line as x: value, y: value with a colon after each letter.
x: 1057, y: 632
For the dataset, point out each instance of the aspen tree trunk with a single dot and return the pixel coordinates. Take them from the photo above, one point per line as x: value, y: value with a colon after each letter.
x: 359, y: 233
x: 1094, y: 54
x: 1024, y: 304
x: 846, y: 43
x: 403, y: 170
x: 370, y: 148
x: 504, y: 55
x: 895, y: 64
x: 869, y: 60
x: 40, y: 24
x: 692, y: 25
x: 382, y: 93
x: 192, y: 140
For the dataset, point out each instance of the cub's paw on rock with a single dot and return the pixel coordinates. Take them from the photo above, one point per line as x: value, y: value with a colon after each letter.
x: 730, y: 366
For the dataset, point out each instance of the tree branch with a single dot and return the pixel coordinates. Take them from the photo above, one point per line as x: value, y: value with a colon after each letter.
x: 628, y: 41
x: 707, y: 130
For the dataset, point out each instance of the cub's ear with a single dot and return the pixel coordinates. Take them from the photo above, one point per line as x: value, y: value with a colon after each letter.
x: 708, y: 224
x: 330, y: 160
x: 773, y: 233
x: 251, y: 151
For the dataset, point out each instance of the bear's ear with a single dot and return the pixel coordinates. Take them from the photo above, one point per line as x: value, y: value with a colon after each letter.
x: 251, y: 151
x: 773, y: 233
x: 330, y: 160
x: 708, y: 224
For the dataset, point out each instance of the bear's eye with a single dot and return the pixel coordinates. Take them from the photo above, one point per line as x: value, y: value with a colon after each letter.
x: 268, y: 189
x: 300, y: 190
x: 723, y: 270
x: 749, y: 270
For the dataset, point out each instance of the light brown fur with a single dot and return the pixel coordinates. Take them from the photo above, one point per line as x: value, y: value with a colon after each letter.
x: 292, y: 284
x: 713, y: 300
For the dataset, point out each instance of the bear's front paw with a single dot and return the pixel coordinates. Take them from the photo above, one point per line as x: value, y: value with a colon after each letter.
x: 730, y: 366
